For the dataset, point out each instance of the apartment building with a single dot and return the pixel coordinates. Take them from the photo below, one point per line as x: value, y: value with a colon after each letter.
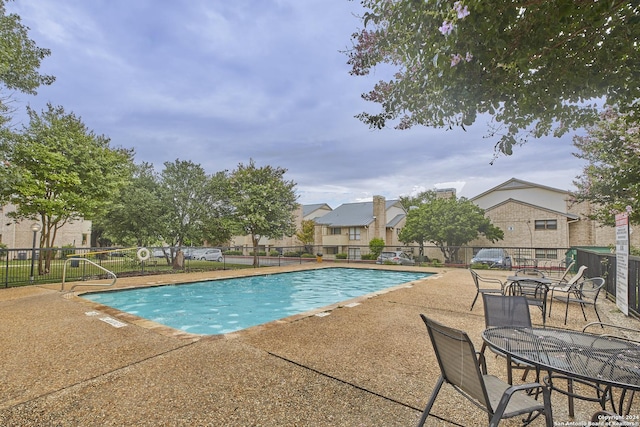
x: 19, y: 235
x: 304, y: 212
x: 350, y: 227
x: 544, y: 218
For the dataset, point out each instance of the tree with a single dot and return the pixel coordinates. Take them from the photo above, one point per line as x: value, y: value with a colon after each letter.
x: 306, y: 234
x: 376, y: 246
x: 448, y: 223
x: 184, y: 198
x: 58, y: 171
x: 133, y: 217
x: 412, y: 202
x: 610, y: 179
x: 20, y: 60
x: 217, y: 224
x: 263, y: 203
x: 537, y: 67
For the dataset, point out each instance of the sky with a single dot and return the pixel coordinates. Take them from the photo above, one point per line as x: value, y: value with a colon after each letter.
x: 221, y: 82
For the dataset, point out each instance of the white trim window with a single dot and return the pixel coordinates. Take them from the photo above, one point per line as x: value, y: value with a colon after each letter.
x: 546, y: 224
x: 354, y: 233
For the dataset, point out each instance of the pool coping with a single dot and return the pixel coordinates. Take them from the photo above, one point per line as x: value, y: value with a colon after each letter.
x: 97, y: 308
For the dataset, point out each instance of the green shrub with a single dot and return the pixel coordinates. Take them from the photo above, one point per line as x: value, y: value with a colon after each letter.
x: 274, y: 253
x: 307, y: 256
x: 369, y: 257
x: 479, y: 266
x: 341, y: 256
x: 376, y: 246
x: 293, y: 254
x: 232, y: 252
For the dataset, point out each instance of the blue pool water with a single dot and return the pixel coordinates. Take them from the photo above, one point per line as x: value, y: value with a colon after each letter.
x: 228, y: 305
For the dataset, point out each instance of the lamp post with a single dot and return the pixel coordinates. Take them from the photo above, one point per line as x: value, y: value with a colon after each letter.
x: 35, y: 227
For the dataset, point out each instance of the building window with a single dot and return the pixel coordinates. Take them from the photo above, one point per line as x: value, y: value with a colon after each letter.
x: 84, y: 239
x: 546, y: 224
x: 335, y: 231
x: 354, y: 233
x: 354, y: 253
x: 546, y: 253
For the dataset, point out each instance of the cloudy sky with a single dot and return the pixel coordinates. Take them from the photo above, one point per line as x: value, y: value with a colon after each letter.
x: 221, y: 82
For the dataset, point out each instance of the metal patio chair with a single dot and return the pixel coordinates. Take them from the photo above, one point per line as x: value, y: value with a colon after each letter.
x: 466, y: 372
x: 481, y: 282
x: 534, y: 291
x: 565, y: 286
x: 507, y: 311
x: 584, y: 293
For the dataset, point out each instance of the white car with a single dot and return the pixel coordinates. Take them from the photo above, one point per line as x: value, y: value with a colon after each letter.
x: 212, y: 255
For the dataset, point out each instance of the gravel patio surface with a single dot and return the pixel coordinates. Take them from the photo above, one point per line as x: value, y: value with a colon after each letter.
x: 67, y: 362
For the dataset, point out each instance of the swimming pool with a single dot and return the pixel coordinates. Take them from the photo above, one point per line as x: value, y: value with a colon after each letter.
x: 228, y: 305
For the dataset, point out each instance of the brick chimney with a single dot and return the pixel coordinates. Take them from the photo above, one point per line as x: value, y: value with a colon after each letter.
x: 380, y: 215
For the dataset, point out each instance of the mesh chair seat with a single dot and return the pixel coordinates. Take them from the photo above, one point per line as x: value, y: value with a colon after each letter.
x: 565, y: 286
x: 485, y: 285
x: 584, y: 293
x: 460, y: 367
x: 507, y: 311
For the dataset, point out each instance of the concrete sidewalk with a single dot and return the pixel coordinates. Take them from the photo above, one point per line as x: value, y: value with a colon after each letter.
x: 365, y: 365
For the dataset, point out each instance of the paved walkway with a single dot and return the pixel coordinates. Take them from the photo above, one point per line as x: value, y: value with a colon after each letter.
x: 365, y: 365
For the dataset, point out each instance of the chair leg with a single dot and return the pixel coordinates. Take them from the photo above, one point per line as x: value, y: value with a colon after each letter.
x: 474, y: 301
x: 597, y: 314
x: 566, y: 312
x: 583, y: 313
x: 432, y: 399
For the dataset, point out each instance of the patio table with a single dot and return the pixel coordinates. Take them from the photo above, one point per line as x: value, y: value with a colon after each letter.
x: 600, y: 362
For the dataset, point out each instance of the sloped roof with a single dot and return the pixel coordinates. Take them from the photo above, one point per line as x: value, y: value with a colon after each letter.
x: 565, y: 214
x: 352, y: 214
x: 515, y: 183
x: 307, y: 209
x: 396, y: 220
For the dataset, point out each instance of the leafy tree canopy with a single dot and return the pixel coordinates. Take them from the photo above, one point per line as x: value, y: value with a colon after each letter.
x: 263, y: 202
x: 133, y: 217
x: 306, y: 234
x: 183, y: 196
x: 448, y: 223
x: 611, y: 179
x: 537, y: 67
x: 20, y: 59
x: 376, y: 246
x: 56, y: 170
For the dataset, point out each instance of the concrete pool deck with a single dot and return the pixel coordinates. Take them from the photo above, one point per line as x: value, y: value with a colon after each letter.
x: 67, y: 362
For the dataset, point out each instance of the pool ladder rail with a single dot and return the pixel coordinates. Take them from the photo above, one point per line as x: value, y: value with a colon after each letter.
x: 64, y: 273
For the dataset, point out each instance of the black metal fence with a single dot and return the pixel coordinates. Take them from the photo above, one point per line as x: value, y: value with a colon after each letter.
x: 24, y: 266
x: 604, y: 265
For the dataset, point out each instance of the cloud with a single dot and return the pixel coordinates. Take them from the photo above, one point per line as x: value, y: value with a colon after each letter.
x: 219, y: 83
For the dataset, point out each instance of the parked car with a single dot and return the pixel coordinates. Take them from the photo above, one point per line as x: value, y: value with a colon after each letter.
x: 194, y: 253
x: 158, y: 253
x: 212, y: 255
x: 493, y: 257
x: 396, y: 257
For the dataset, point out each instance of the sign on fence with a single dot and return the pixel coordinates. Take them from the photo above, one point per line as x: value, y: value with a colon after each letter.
x: 622, y: 262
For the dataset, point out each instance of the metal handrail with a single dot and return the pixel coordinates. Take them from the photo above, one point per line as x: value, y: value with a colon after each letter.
x: 64, y: 274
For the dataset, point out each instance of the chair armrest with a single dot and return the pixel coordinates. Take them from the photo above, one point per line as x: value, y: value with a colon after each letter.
x: 482, y: 362
x: 506, y: 396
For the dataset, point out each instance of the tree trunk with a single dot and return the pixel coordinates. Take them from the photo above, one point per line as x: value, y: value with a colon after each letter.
x: 255, y: 239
